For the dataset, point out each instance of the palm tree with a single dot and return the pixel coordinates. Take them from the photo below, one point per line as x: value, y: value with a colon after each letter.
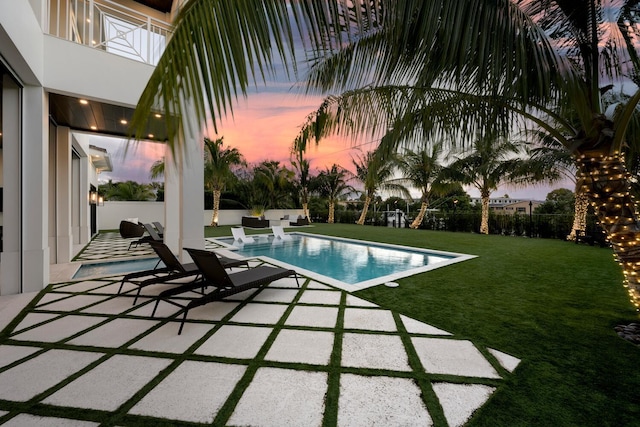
x: 332, y: 183
x: 552, y: 155
x: 129, y: 191
x: 489, y: 164
x: 422, y: 170
x: 493, y: 63
x: 217, y: 170
x: 302, y: 166
x: 273, y: 184
x: 157, y: 169
x: 376, y: 172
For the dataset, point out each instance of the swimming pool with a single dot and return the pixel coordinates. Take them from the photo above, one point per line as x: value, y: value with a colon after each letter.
x: 345, y: 263
x: 115, y: 267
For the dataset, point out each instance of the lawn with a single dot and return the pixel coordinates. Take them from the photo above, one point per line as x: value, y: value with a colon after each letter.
x: 553, y: 304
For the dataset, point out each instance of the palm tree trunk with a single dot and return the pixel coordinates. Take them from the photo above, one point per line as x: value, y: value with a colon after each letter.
x: 418, y: 220
x: 484, y: 222
x: 332, y: 210
x: 579, y: 215
x: 216, y: 207
x: 605, y: 180
x: 363, y: 216
x: 305, y: 211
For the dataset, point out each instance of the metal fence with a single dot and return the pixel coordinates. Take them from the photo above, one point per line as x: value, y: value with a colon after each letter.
x: 108, y: 26
x: 546, y: 226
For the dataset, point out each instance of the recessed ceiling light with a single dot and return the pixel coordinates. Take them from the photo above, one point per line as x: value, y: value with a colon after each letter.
x: 94, y: 127
x: 84, y: 102
x: 158, y: 115
x: 123, y: 121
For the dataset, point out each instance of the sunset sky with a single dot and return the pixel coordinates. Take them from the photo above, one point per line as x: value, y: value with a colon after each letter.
x: 263, y: 127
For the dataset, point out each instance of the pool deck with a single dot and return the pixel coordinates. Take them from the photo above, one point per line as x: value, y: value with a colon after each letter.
x: 79, y: 354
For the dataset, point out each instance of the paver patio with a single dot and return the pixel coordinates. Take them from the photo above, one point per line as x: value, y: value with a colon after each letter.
x: 79, y: 354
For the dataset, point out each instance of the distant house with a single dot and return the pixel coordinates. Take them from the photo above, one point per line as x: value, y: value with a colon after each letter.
x: 507, y: 205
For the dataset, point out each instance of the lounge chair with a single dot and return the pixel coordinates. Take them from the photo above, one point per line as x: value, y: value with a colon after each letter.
x: 159, y: 227
x: 173, y: 269
x: 152, y: 236
x: 130, y: 229
x: 279, y: 234
x: 300, y: 221
x: 238, y: 234
x: 225, y: 284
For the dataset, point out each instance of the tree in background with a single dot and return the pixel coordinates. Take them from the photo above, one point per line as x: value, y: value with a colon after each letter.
x: 128, y: 191
x: 301, y: 165
x: 422, y: 170
x: 273, y: 186
x: 332, y: 183
x: 376, y: 172
x: 491, y: 162
x: 157, y: 169
x: 560, y: 201
x: 218, y: 173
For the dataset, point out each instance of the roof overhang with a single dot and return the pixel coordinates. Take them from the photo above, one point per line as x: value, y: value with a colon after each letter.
x: 100, y: 159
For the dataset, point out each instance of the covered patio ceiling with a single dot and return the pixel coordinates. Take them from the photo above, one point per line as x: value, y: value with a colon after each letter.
x: 93, y: 116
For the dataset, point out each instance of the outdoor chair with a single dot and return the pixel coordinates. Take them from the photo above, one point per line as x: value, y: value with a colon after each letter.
x: 300, y: 221
x: 159, y: 227
x: 153, y: 236
x: 129, y: 230
x: 173, y: 269
x: 238, y: 234
x: 254, y: 222
x: 279, y: 234
x: 224, y: 284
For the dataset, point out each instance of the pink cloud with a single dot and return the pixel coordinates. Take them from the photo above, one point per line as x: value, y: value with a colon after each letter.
x: 264, y: 126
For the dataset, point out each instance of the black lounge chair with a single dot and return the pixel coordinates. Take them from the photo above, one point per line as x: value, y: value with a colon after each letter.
x: 173, y: 270
x: 130, y: 229
x: 300, y: 221
x: 225, y: 284
x: 159, y: 227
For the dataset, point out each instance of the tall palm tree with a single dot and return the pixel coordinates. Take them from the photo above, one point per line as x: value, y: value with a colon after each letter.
x: 376, y: 172
x: 490, y: 163
x: 218, y: 170
x: 552, y: 155
x: 302, y: 166
x: 332, y: 183
x: 491, y: 62
x: 423, y: 171
x: 274, y: 185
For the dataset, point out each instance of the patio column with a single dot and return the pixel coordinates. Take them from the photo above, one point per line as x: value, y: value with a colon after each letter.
x: 184, y: 197
x: 63, y: 234
x: 84, y: 228
x: 35, y: 173
x: 11, y: 261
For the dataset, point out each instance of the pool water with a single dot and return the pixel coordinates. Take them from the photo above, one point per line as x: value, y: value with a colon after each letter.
x: 115, y: 267
x: 349, y: 264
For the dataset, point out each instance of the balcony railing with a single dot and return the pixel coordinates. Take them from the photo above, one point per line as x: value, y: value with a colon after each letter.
x: 109, y: 26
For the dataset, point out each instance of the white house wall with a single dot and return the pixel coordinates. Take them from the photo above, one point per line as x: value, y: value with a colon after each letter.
x: 21, y: 41
x: 93, y: 73
x: 110, y: 215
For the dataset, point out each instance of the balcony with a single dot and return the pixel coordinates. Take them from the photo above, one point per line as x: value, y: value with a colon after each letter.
x: 109, y: 26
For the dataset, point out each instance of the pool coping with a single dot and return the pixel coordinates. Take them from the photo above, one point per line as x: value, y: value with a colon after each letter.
x: 459, y: 257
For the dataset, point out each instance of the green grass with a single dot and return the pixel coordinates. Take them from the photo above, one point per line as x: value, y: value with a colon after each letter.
x: 551, y: 303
